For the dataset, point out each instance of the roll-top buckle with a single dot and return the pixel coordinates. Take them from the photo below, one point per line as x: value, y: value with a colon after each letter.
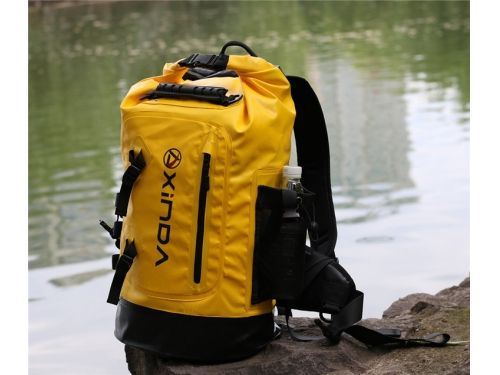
x: 215, y: 62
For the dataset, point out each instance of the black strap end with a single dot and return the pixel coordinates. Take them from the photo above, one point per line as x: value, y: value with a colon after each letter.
x: 112, y: 299
x: 114, y: 260
x: 106, y: 227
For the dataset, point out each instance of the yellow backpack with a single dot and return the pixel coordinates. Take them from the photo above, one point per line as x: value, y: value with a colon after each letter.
x: 204, y: 250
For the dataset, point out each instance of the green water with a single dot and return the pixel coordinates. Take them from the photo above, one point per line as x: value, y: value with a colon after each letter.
x: 393, y: 80
x: 82, y: 60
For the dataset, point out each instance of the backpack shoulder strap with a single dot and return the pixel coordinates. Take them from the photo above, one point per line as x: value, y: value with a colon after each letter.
x: 313, y: 155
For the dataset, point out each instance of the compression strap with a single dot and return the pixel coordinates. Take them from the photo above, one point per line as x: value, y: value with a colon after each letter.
x: 131, y: 174
x: 122, y: 267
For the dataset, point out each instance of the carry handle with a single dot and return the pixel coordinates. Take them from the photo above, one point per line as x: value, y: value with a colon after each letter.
x: 236, y: 43
x: 216, y: 95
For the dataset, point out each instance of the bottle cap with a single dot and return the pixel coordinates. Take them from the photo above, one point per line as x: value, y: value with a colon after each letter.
x: 292, y: 172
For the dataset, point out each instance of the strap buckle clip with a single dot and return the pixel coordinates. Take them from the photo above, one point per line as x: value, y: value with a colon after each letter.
x: 215, y: 62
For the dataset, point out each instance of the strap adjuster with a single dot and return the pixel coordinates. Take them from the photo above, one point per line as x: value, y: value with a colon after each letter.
x: 126, y: 259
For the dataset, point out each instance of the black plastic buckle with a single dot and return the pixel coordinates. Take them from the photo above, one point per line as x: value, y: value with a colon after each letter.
x: 128, y: 260
x: 215, y: 62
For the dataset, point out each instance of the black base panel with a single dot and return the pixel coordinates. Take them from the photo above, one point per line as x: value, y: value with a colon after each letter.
x: 192, y: 338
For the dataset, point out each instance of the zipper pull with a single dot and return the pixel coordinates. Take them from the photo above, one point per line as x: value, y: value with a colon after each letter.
x: 209, y: 146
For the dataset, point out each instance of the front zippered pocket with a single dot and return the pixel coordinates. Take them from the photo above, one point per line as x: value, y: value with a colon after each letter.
x: 179, y: 206
x: 200, y: 227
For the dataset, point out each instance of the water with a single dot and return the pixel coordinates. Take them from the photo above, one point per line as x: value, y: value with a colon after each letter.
x: 393, y: 79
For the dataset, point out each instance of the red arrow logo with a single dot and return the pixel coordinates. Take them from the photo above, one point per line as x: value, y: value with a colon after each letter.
x: 172, y: 158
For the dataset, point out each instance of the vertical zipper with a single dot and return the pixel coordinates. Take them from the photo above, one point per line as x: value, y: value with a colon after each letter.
x: 202, y: 203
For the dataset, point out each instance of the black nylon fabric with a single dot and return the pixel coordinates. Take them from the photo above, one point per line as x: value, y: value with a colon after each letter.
x: 328, y: 288
x: 194, y: 338
x: 278, y: 258
x: 313, y: 156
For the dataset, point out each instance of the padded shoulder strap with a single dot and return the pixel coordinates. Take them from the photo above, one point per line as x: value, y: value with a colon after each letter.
x: 313, y: 155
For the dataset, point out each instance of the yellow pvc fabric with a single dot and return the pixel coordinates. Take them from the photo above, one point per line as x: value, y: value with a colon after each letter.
x: 248, y: 143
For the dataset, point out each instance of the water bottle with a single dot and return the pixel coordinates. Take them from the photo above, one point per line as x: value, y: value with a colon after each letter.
x: 291, y: 181
x: 291, y: 178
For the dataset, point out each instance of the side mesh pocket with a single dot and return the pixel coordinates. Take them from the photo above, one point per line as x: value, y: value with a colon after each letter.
x: 278, y: 262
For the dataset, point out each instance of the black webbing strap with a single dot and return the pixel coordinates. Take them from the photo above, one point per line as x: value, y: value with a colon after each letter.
x: 365, y: 335
x: 316, y: 262
x: 122, y: 266
x: 131, y: 174
x: 298, y: 336
x: 372, y: 337
x: 313, y: 155
x: 346, y: 319
x: 384, y: 337
x: 349, y: 315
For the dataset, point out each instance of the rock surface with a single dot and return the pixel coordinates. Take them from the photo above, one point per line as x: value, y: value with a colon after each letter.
x: 416, y: 315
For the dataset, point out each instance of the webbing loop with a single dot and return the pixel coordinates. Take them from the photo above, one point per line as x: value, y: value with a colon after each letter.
x: 131, y: 174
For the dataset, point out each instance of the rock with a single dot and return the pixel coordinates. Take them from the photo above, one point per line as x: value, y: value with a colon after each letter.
x: 416, y: 315
x: 456, y: 296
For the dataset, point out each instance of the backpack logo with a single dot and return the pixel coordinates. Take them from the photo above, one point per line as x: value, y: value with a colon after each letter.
x: 172, y: 158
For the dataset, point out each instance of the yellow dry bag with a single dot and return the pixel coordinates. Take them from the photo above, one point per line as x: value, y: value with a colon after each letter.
x: 210, y: 239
